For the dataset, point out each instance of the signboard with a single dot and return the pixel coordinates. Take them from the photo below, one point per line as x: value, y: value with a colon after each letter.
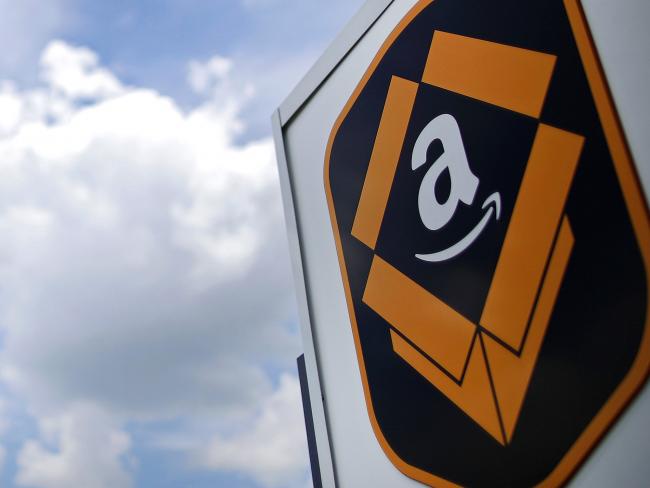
x: 493, y: 243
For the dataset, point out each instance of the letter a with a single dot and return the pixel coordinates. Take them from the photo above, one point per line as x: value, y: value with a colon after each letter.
x: 435, y: 214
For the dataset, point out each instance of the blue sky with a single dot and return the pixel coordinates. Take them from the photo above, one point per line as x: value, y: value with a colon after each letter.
x: 149, y: 43
x: 148, y: 329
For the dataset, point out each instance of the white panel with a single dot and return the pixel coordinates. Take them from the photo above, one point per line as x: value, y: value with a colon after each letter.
x: 311, y: 364
x: 358, y: 458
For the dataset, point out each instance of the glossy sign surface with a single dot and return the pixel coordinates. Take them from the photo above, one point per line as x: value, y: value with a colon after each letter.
x: 493, y: 243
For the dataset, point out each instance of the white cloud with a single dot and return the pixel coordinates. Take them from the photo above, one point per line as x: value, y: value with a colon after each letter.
x: 87, y: 451
x: 202, y: 75
x: 11, y: 108
x: 143, y: 268
x: 216, y: 78
x: 75, y: 72
x: 273, y: 448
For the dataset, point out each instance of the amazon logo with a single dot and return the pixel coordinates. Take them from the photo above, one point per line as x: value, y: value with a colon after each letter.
x: 500, y: 325
x: 453, y: 162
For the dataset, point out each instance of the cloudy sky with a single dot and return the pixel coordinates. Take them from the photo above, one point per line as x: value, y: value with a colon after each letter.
x: 148, y: 331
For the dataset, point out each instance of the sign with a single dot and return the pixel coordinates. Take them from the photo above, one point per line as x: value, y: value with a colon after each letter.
x: 493, y: 243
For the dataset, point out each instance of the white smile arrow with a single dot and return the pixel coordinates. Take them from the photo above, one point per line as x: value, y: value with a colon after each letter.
x: 493, y: 202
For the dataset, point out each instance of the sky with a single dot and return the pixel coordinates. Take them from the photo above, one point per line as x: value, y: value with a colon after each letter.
x: 148, y: 329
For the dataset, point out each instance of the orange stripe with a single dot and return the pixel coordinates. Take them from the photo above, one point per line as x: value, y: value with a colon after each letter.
x: 383, y: 161
x: 530, y: 235
x: 474, y: 396
x: 437, y: 329
x: 510, y: 77
x: 511, y: 374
